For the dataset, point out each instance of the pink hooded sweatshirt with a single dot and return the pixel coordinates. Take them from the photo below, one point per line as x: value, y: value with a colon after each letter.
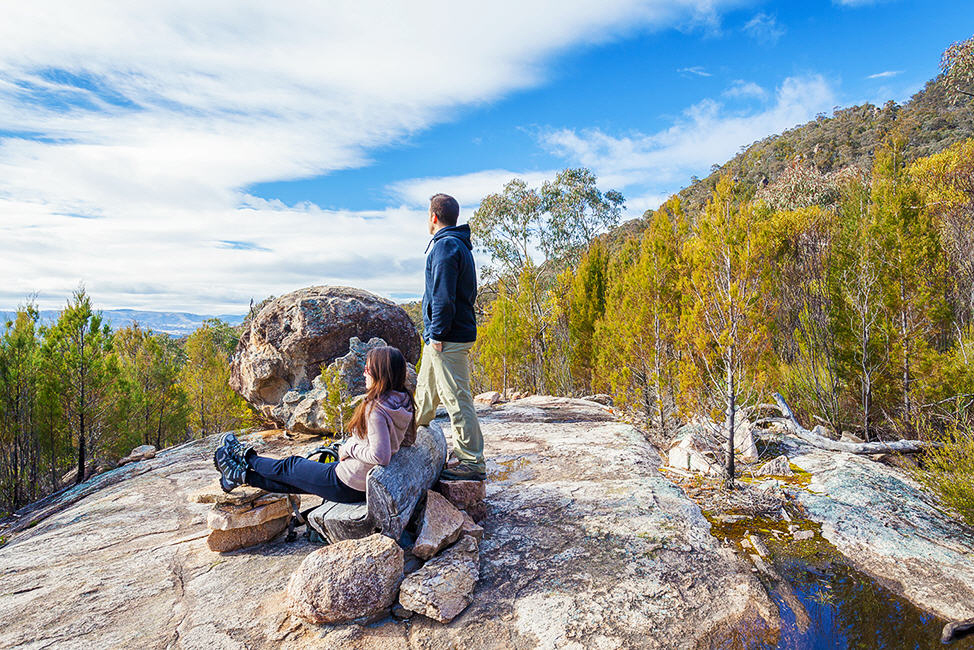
x: 387, y: 424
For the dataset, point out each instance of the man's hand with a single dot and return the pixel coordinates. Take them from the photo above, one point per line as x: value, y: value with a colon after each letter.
x: 438, y: 346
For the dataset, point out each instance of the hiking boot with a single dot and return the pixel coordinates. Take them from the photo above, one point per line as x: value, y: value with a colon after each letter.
x: 462, y: 472
x: 235, y: 448
x: 232, y: 472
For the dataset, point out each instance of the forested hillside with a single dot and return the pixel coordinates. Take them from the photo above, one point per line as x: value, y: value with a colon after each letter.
x: 831, y: 264
x: 76, y: 395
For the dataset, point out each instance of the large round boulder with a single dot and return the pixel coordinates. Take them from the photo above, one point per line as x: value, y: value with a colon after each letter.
x: 350, y: 579
x: 288, y: 341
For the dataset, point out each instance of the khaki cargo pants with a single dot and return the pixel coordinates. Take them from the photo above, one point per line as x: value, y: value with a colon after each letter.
x: 444, y: 377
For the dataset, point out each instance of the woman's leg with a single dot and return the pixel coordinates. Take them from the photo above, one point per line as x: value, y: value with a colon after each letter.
x: 302, y: 475
x: 256, y: 480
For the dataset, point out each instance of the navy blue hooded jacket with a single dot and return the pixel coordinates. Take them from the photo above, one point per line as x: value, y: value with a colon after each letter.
x: 451, y: 287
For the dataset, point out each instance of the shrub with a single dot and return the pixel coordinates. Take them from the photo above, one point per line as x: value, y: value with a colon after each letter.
x: 948, y: 471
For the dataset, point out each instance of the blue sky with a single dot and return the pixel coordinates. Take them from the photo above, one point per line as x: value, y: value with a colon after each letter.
x: 177, y: 156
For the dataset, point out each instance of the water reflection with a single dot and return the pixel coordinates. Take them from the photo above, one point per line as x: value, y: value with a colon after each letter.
x: 846, y: 608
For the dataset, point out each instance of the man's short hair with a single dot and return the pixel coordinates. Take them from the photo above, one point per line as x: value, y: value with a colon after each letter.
x: 446, y: 209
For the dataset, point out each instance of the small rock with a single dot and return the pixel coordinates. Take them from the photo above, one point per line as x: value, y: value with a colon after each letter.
x: 350, y: 579
x: 803, y: 534
x: 441, y: 526
x: 444, y: 586
x: 230, y: 540
x: 142, y: 452
x: 400, y: 612
x: 731, y: 519
x: 775, y: 467
x: 759, y: 546
x: 462, y: 493
x: 477, y: 511
x: 410, y: 562
x: 490, y: 398
x: 957, y: 630
x: 218, y: 519
x: 470, y: 527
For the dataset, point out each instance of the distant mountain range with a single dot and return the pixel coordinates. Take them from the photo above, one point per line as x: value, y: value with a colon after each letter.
x: 170, y: 322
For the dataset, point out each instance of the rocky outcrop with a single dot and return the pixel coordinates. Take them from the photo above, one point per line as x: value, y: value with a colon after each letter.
x: 440, y: 526
x: 293, y: 336
x: 444, y: 586
x: 303, y: 410
x: 888, y: 527
x: 586, y: 545
x: 354, y: 578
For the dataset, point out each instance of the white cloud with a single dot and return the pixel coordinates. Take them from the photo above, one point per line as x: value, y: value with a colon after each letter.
x: 151, y: 117
x: 745, y: 89
x: 696, y: 70
x: 468, y: 189
x: 764, y: 28
x: 707, y: 133
x: 885, y: 74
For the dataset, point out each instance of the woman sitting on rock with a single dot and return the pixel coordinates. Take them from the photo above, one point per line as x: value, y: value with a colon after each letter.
x: 382, y: 423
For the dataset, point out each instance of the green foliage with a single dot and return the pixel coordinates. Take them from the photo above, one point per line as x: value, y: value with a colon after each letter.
x: 337, y: 405
x: 76, y: 355
x: 725, y: 324
x: 957, y: 64
x: 637, y: 352
x: 558, y: 221
x: 156, y: 409
x: 948, y: 471
x: 503, y: 343
x: 205, y: 378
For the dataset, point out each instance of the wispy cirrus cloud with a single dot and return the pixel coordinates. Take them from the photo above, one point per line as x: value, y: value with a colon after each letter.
x: 745, y: 89
x: 650, y: 166
x: 696, y: 71
x: 885, y: 74
x: 128, y: 132
x: 764, y: 28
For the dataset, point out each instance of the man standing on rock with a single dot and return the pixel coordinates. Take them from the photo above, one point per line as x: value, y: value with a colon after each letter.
x: 449, y: 330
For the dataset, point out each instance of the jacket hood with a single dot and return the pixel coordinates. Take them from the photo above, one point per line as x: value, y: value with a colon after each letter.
x: 460, y: 232
x: 396, y: 405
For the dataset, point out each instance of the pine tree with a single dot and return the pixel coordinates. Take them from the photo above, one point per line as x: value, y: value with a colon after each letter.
x: 77, y: 348
x: 725, y: 324
x: 913, y: 266
x: 637, y: 335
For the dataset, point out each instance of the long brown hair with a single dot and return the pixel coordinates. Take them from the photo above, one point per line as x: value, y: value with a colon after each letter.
x: 387, y: 367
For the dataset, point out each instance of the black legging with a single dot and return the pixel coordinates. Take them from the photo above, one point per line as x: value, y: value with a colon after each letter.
x: 294, y: 474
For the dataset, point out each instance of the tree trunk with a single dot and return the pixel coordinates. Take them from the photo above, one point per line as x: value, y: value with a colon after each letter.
x: 816, y: 439
x: 731, y: 407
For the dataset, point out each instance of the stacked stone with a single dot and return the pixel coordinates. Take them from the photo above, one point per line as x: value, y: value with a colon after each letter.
x: 467, y: 497
x: 361, y: 578
x: 245, y: 517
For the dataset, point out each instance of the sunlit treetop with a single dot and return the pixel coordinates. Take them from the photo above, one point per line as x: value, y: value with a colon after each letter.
x: 957, y: 64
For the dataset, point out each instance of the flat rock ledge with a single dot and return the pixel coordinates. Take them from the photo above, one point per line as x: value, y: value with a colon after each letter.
x: 888, y: 527
x: 584, y: 545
